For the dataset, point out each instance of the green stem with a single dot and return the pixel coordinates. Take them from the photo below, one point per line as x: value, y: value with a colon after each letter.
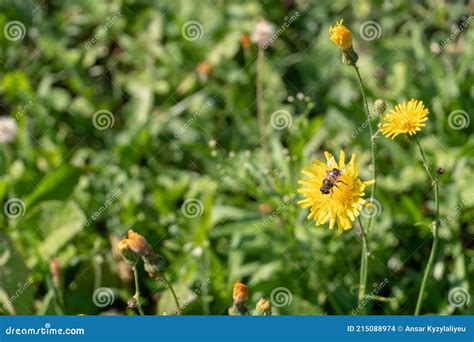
x: 372, y: 142
x: 434, y: 247
x: 259, y: 95
x: 425, y: 162
x: 363, y: 265
x: 137, y: 291
x: 168, y: 284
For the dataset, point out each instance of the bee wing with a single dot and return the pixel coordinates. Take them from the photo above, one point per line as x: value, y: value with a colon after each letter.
x: 330, y: 163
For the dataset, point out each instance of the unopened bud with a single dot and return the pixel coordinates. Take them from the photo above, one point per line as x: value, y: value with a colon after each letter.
x: 263, y: 308
x: 55, y: 269
x: 128, y: 255
x: 132, y: 247
x: 380, y: 106
x: 240, y: 293
x: 154, y: 264
x: 349, y: 56
x: 132, y: 303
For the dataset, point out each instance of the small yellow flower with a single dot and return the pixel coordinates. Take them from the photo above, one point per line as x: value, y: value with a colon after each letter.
x: 345, y: 199
x: 407, y: 117
x: 340, y: 35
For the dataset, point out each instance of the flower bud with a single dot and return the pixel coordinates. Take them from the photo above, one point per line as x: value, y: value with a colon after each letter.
x: 349, y: 56
x: 263, y: 308
x: 341, y: 35
x: 132, y: 303
x: 55, y: 269
x: 240, y: 293
x: 154, y: 264
x: 138, y: 243
x: 128, y: 255
x: 380, y: 106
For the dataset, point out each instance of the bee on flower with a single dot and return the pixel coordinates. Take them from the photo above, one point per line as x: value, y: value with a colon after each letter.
x: 333, y: 191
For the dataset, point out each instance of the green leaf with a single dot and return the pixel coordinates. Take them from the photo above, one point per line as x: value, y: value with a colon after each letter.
x: 66, y: 221
x: 57, y: 185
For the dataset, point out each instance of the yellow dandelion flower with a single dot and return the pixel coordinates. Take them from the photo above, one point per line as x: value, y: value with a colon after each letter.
x: 341, y: 35
x: 343, y: 201
x: 407, y: 117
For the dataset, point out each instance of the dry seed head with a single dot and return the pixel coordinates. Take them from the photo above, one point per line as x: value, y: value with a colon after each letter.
x: 262, y: 33
x: 8, y: 129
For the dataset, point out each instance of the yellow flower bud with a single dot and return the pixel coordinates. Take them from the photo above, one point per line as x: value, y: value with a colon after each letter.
x: 263, y: 308
x: 340, y: 35
x: 127, y: 253
x: 138, y: 243
x: 240, y: 293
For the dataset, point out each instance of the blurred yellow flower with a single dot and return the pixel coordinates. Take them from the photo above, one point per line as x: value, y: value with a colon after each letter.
x: 340, y: 35
x: 345, y: 198
x: 407, y: 117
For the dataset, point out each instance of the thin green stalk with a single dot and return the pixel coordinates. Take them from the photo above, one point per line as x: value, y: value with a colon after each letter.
x: 434, y: 247
x: 363, y: 265
x: 363, y: 261
x: 259, y: 95
x: 372, y: 142
x: 137, y: 291
x: 168, y: 284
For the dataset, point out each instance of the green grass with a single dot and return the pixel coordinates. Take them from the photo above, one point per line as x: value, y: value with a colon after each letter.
x: 179, y: 135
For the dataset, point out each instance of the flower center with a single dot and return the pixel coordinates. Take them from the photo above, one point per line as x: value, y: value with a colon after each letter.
x: 342, y: 193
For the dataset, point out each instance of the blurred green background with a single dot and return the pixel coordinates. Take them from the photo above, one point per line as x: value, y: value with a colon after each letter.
x: 124, y: 116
